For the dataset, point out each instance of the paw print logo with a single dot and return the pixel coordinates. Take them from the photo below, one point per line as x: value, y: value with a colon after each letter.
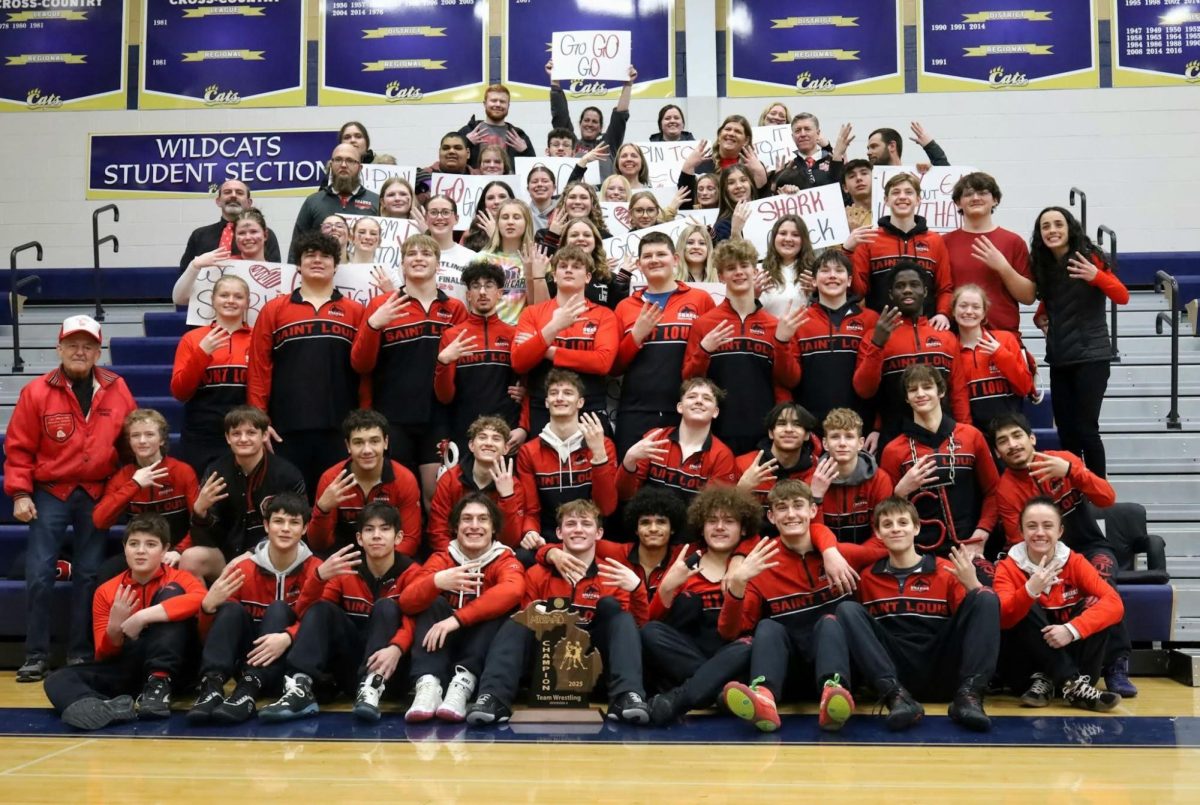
x: 1191, y: 72
x: 996, y: 72
x: 393, y: 86
x: 211, y: 89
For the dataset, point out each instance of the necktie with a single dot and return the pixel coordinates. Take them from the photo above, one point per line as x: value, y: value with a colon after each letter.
x: 226, y: 241
x: 810, y: 162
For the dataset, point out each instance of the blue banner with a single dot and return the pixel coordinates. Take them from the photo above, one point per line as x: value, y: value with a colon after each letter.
x: 222, y: 53
x: 981, y: 45
x: 185, y: 165
x: 828, y: 47
x: 62, y: 54
x: 531, y: 24
x: 1156, y: 45
x: 420, y: 51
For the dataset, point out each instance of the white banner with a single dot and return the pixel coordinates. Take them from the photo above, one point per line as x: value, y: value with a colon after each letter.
x: 590, y: 55
x: 392, y: 234
x: 820, y: 208
x: 664, y: 160
x: 561, y: 167
x: 373, y: 176
x: 772, y: 142
x: 620, y: 246
x: 937, y: 184
x: 467, y: 190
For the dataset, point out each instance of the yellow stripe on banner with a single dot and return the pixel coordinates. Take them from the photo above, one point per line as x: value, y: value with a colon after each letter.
x: 1000, y: 16
x: 810, y: 55
x: 403, y: 64
x: 218, y: 55
x: 1008, y: 50
x: 53, y: 14
x: 794, y: 22
x: 46, y: 58
x: 417, y: 30
x: 236, y: 11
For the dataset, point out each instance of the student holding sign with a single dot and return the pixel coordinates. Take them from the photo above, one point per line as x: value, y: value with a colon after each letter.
x: 441, y: 216
x: 591, y: 121
x: 483, y: 225
x: 233, y: 199
x: 396, y: 199
x: 250, y: 240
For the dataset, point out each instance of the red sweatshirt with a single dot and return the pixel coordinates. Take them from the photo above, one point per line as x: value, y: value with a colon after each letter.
x: 1082, y: 600
x: 477, y: 383
x: 847, y: 508
x: 178, y: 608
x: 683, y: 475
x: 172, y: 498
x: 356, y: 594
x: 503, y: 589
x: 545, y: 583
x: 588, y: 347
x: 996, y: 383
x: 337, y: 528
x: 652, y: 370
x: 874, y: 260
x: 263, y: 587
x: 458, y: 481
x: 1004, y: 313
x: 1017, y: 486
x: 210, y: 385
x: 547, y: 481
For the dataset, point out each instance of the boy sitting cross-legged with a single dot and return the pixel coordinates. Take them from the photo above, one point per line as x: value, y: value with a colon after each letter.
x: 141, y: 621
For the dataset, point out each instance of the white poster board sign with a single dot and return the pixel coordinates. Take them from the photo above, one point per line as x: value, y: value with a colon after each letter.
x: 590, y: 55
x: 771, y: 143
x: 467, y: 191
x: 561, y: 167
x: 937, y: 185
x: 664, y: 160
x: 392, y: 234
x: 373, y: 176
x: 820, y: 208
x: 622, y: 246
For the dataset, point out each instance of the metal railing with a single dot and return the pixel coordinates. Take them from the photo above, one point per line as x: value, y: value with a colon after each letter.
x: 1112, y: 305
x: 15, y: 285
x: 1165, y: 283
x: 1075, y: 191
x: 97, y: 242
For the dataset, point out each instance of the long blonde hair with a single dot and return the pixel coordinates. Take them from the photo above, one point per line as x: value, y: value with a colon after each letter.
x: 600, y: 271
x: 496, y: 244
x: 682, y: 272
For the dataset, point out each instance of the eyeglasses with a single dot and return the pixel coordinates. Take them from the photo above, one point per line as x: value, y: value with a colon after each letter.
x: 345, y: 161
x: 439, y: 213
x: 483, y: 286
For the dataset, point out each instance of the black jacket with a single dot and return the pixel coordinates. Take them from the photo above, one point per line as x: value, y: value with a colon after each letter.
x: 235, y: 524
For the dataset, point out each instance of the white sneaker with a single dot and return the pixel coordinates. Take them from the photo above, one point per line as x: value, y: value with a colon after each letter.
x: 366, y: 705
x: 458, y: 694
x: 426, y: 701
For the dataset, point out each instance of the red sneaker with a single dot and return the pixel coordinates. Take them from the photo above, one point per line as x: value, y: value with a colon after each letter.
x: 752, y: 703
x: 837, y: 705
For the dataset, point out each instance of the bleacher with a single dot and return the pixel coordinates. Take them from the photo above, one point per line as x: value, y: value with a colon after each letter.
x: 1148, y: 463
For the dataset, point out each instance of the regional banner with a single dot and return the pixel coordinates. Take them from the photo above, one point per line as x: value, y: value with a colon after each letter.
x: 530, y: 28
x: 419, y: 51
x: 980, y: 45
x: 825, y: 47
x: 222, y: 53
x: 62, y: 54
x: 1155, y: 45
x: 187, y: 165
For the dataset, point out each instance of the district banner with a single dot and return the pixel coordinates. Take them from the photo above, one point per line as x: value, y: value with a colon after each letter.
x: 1155, y: 45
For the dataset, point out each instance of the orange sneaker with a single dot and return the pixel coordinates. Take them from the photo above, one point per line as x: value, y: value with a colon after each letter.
x: 837, y: 705
x: 752, y: 703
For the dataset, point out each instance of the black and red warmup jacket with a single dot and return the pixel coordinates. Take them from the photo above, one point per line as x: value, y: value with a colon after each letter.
x: 548, y: 480
x: 802, y: 470
x: 755, y: 369
x: 356, y: 594
x: 1071, y: 494
x: 262, y: 585
x: 400, y: 358
x: 874, y: 260
x: 172, y: 497
x: 711, y: 594
x: 329, y: 531
x: 544, y: 583
x: 996, y: 383
x: 1081, y: 600
x: 827, y: 344
x: 300, y: 371
x: 235, y: 523
x: 848, y: 504
x: 502, y: 589
x: 961, y: 497
x: 458, y: 481
x: 210, y: 385
x: 682, y: 475
x: 588, y: 347
x: 477, y: 383
x: 913, y: 609
x: 626, y: 554
x: 652, y: 371
x: 178, y: 607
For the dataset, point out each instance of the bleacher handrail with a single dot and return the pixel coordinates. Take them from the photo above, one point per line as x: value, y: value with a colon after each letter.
x: 1075, y: 191
x: 15, y: 285
x: 97, y: 242
x: 1112, y: 304
x: 1164, y: 282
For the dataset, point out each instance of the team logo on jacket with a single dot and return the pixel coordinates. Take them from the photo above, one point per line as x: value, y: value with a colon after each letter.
x: 590, y: 593
x: 855, y: 327
x: 502, y: 343
x: 757, y: 329
x: 590, y: 328
x: 688, y: 313
x: 921, y: 247
x: 932, y: 342
x: 337, y: 311
x: 920, y: 586
x: 59, y: 427
x: 444, y: 314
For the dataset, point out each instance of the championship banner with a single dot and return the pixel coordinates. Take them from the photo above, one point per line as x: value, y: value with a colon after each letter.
x: 222, y: 53
x: 825, y: 47
x: 62, y: 55
x: 527, y: 44
x: 937, y: 186
x: 373, y: 176
x: 402, y: 52
x: 1006, y: 45
x: 820, y: 208
x: 185, y: 165
x: 467, y: 191
x: 1155, y: 45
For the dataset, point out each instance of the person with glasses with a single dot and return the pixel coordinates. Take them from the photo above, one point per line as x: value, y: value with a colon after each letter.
x: 441, y: 216
x: 342, y: 194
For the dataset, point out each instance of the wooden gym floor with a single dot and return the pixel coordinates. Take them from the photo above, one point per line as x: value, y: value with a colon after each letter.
x: 1148, y: 750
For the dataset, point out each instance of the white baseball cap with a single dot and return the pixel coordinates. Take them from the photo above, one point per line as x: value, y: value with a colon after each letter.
x: 80, y: 324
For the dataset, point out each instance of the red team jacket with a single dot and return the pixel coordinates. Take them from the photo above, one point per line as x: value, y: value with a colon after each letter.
x: 996, y: 383
x: 683, y: 475
x: 828, y: 354
x: 172, y: 498
x: 503, y: 588
x: 875, y: 259
x: 263, y: 586
x: 396, y: 486
x: 913, y: 609
x: 1070, y: 494
x: 1082, y: 599
x: 477, y: 383
x: 178, y: 607
x: 545, y: 479
x: 452, y: 485
x: 588, y: 347
x: 544, y: 583
x: 846, y: 509
x: 210, y: 384
x: 356, y: 594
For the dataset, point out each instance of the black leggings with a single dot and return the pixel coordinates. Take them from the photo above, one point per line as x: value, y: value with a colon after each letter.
x: 1076, y: 394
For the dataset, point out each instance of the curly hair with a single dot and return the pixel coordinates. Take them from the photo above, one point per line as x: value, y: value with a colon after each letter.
x: 729, y: 500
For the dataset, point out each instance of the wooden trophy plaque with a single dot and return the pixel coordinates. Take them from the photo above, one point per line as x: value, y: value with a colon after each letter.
x: 564, y: 667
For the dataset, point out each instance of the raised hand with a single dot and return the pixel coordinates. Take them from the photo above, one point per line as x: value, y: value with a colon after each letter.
x: 1044, y: 466
x: 653, y: 446
x: 823, y: 476
x: 864, y: 234
x: 963, y: 560
x: 762, y: 282
x: 597, y: 154
x: 340, y: 490
x: 486, y: 221
x: 515, y: 141
x: 389, y: 310
x: 741, y: 214
x: 124, y: 604
x: 534, y: 260
x: 761, y: 558
x: 382, y: 280
x: 502, y: 477
x: 983, y: 250
x: 1044, y: 577
x: 1081, y: 268
x: 699, y: 154
x: 151, y: 475
x: 612, y: 571
x: 988, y: 342
x: 228, y: 583
x: 342, y: 562
x: 923, y: 470
x: 790, y: 322
x: 760, y: 470
x: 718, y: 337
x: 681, y: 197
x: 920, y: 136
x: 648, y: 318
x: 210, y: 494
x: 842, y: 144
x: 753, y: 164
x: 216, y: 338
x: 463, y: 343
x: 677, y: 574
x: 209, y: 259
x: 466, y: 578
x: 593, y: 434
x: 889, y: 320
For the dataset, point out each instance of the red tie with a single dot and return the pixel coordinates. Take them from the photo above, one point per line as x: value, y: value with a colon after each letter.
x: 226, y: 241
x: 810, y: 161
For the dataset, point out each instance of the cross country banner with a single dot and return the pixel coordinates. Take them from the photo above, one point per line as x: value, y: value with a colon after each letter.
x: 1155, y: 46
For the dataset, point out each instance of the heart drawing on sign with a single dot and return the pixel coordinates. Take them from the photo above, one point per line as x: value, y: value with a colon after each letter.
x: 266, y: 276
x: 623, y: 217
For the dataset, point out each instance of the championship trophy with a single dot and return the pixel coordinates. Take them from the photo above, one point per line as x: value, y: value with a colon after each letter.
x: 564, y: 667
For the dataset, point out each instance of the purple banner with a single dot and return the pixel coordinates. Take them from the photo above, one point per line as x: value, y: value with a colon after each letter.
x: 184, y: 165
x: 62, y: 54
x: 222, y: 53
x: 1156, y: 45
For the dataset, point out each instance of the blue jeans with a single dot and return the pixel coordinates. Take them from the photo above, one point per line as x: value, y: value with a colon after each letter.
x: 47, y: 533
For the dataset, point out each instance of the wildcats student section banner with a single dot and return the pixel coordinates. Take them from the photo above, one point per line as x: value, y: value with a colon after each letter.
x: 185, y: 165
x: 1155, y: 45
x: 980, y: 45
x: 200, y: 54
x: 415, y: 51
x: 530, y: 26
x: 826, y: 47
x: 62, y: 54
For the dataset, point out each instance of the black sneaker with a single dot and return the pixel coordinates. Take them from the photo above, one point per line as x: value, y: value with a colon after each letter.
x: 631, y: 708
x: 33, y: 670
x: 155, y: 701
x: 1079, y: 692
x: 487, y: 709
x: 1040, y: 692
x: 666, y: 708
x: 366, y: 704
x: 903, y: 710
x: 297, y: 700
x: 212, y: 694
x: 967, y: 709
x: 240, y: 706
x: 93, y: 713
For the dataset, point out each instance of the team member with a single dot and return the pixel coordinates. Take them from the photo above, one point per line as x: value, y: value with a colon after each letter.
x: 227, y: 514
x: 885, y: 146
x: 249, y: 618
x: 1057, y: 612
x: 474, y: 364
x: 232, y: 199
x: 1062, y: 476
x: 784, y: 595
x: 847, y: 483
x: 685, y: 459
x: 611, y: 601
x: 903, y: 236
x: 789, y: 451
x: 944, y: 467
x: 681, y: 643
x: 903, y: 337
x: 300, y: 344
x: 922, y: 624
x: 495, y: 128
x: 741, y: 346
x: 350, y: 621
x: 482, y: 468
x: 997, y: 367
x: 570, y: 459
x: 655, y: 323
x: 567, y: 332
x: 60, y: 448
x: 462, y: 598
x: 398, y: 350
x: 367, y: 477
x: 141, y: 624
x: 344, y: 194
